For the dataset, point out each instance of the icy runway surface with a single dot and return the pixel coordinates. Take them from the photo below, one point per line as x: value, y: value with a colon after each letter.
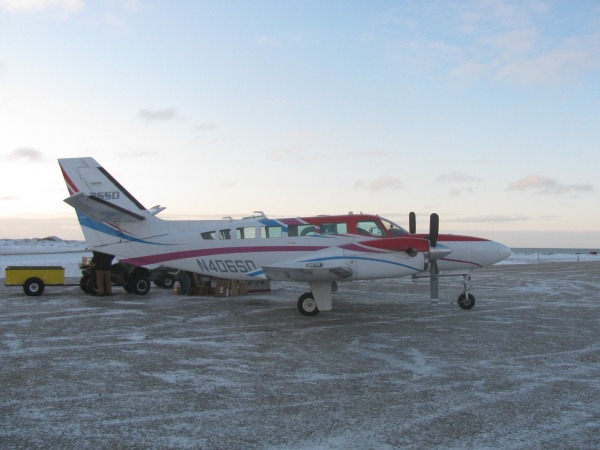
x: 384, y: 369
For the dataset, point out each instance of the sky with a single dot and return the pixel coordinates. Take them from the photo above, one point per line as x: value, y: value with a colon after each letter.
x: 486, y: 111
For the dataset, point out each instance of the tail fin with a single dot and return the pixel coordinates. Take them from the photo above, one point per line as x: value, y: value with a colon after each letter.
x: 107, y: 212
x: 86, y: 176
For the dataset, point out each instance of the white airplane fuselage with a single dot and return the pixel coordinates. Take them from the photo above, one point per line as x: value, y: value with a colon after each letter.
x: 317, y: 250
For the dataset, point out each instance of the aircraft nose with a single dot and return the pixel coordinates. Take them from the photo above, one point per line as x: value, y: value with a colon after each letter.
x: 503, y: 252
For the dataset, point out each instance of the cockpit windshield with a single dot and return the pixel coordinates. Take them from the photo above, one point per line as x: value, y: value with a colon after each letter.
x: 392, y: 228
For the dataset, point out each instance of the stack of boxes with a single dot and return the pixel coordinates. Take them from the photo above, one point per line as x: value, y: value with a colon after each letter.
x: 219, y: 287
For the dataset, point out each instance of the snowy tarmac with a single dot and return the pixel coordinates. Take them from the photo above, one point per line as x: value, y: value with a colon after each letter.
x: 384, y: 369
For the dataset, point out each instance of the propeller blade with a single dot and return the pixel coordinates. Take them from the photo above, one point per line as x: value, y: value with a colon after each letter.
x: 434, y: 228
x: 412, y: 223
x: 434, y: 281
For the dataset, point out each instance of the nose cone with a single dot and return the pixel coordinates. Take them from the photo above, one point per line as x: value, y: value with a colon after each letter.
x: 486, y: 253
x: 503, y: 252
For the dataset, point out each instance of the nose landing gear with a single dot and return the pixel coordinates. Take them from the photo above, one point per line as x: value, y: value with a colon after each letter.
x: 466, y: 300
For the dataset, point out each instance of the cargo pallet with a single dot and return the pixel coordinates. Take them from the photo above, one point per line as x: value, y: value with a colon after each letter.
x: 34, y: 279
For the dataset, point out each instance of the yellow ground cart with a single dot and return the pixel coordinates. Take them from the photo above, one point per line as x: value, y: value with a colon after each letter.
x: 34, y: 278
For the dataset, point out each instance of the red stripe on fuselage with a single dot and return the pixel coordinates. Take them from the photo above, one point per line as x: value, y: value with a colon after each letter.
x: 173, y: 256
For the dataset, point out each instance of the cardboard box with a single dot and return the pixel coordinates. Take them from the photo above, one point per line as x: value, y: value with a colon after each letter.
x: 258, y: 286
x: 234, y: 287
x: 222, y: 288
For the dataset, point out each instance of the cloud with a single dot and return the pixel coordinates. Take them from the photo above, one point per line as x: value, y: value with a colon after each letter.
x: 364, y: 154
x: 457, y: 177
x: 206, y: 127
x: 28, y: 153
x: 294, y: 153
x: 8, y: 198
x: 548, y: 186
x: 64, y: 8
x: 267, y: 40
x: 500, y: 40
x: 159, y: 115
x: 380, y: 184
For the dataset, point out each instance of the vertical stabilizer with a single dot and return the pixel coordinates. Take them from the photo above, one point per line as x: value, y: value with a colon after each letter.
x: 109, y: 215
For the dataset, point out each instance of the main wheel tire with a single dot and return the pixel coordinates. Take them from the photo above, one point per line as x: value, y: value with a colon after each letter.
x: 466, y: 302
x: 34, y: 287
x: 168, y: 282
x: 139, y: 285
x: 91, y: 287
x: 83, y: 282
x: 307, y: 305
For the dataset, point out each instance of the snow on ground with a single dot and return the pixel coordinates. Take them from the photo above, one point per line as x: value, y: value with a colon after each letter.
x: 384, y: 369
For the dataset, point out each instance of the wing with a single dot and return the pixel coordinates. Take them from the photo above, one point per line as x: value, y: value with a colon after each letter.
x: 303, y: 271
x: 101, y: 210
x: 325, y: 265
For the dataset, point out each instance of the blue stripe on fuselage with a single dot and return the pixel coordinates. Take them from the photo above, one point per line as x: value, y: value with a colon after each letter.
x: 101, y: 227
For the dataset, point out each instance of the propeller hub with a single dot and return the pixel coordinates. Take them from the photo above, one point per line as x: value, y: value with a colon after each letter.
x: 438, y: 252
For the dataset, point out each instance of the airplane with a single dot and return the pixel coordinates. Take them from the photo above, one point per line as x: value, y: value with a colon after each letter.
x: 318, y: 250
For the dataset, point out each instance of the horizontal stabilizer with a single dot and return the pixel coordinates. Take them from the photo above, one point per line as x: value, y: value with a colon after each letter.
x: 101, y: 210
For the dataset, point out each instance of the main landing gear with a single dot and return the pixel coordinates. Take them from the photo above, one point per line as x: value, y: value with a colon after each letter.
x: 466, y: 300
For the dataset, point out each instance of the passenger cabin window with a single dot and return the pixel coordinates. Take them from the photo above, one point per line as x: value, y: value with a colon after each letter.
x: 369, y: 228
x: 334, y: 228
x: 225, y: 234
x: 271, y: 232
x: 245, y: 233
x: 209, y: 235
x: 301, y: 230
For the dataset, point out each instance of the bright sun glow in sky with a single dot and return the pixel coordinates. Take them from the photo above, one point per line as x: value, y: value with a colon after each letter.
x: 486, y: 112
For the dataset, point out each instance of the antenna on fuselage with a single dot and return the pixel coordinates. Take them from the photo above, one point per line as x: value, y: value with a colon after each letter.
x: 261, y: 214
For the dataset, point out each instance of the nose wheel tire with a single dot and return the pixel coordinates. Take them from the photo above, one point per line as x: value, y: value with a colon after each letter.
x: 466, y: 301
x: 307, y: 305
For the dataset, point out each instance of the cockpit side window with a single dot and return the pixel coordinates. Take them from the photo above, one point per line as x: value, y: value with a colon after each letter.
x: 392, y: 228
x: 369, y: 228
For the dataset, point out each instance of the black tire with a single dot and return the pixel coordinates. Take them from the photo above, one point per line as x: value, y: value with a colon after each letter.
x: 165, y: 282
x: 139, y: 285
x: 466, y: 302
x: 307, y: 305
x: 168, y: 282
x: 34, y: 287
x: 83, y: 282
x: 91, y: 287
